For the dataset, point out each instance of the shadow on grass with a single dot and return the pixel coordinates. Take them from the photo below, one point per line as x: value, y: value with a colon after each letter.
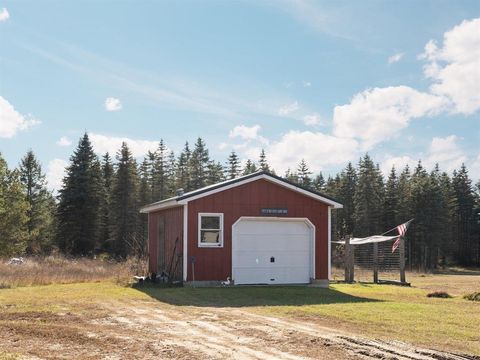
x: 244, y: 296
x: 457, y: 271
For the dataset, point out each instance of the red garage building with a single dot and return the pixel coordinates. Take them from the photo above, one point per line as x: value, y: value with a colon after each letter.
x: 255, y: 229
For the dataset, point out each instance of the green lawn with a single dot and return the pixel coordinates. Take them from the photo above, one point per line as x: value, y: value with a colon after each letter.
x: 381, y: 311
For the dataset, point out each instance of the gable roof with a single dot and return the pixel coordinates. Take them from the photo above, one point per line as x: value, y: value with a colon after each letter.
x: 212, y: 189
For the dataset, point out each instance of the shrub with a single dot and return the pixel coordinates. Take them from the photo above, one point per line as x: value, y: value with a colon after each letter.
x: 475, y: 296
x: 439, y: 294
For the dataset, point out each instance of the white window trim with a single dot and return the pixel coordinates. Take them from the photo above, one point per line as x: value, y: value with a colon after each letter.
x: 210, y: 245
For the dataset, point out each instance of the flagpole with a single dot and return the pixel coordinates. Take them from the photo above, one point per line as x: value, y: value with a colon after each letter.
x: 386, y: 232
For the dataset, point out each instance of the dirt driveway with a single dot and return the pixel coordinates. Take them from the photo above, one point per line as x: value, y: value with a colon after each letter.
x: 153, y: 330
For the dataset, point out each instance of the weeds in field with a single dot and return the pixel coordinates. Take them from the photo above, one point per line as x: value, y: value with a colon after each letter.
x: 439, y: 294
x: 59, y: 270
x: 475, y: 296
x: 8, y: 356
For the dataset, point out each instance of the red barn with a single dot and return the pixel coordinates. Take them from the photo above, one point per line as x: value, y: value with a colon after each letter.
x: 255, y: 229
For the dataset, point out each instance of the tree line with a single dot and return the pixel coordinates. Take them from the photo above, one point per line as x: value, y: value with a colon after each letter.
x: 97, y: 207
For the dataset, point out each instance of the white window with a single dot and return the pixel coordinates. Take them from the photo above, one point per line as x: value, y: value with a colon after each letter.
x: 210, y: 230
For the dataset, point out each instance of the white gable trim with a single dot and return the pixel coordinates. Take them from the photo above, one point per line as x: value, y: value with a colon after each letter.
x: 159, y: 206
x: 268, y: 178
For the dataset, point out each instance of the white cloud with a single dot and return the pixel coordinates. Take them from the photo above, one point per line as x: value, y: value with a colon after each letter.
x: 288, y: 109
x: 475, y: 169
x: 64, y: 141
x: 4, y: 15
x: 55, y: 173
x: 112, y: 104
x: 444, y: 151
x: 395, y: 58
x: 312, y: 119
x: 245, y: 132
x: 319, y: 150
x: 399, y: 162
x: 455, y: 66
x: 11, y: 121
x: 306, y: 83
x: 224, y: 146
x: 378, y: 114
x: 111, y: 144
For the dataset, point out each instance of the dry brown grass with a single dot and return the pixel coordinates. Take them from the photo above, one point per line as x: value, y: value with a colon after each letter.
x: 59, y: 270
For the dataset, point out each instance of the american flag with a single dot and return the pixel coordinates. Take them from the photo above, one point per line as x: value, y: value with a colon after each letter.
x: 402, y: 230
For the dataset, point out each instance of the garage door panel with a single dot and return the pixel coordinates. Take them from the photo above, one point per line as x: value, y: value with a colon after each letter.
x: 253, y: 275
x: 258, y: 227
x: 256, y: 242
x: 263, y: 258
x: 270, y: 242
x: 290, y: 276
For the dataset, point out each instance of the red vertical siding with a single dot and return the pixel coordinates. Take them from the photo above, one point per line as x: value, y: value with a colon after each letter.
x: 248, y: 200
x: 173, y: 230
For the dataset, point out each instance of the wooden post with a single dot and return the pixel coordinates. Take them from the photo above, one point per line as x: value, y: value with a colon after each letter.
x: 352, y: 263
x: 401, y: 249
x: 375, y: 263
x: 346, y: 259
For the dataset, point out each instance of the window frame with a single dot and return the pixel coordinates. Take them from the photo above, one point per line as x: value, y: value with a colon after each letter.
x: 210, y: 245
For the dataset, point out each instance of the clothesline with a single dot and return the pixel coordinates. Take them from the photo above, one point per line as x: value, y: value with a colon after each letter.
x: 368, y: 240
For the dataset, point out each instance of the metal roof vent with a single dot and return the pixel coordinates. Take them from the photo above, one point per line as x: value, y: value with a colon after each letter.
x: 180, y: 192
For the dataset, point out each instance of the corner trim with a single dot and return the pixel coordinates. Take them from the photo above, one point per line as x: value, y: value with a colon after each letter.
x: 329, y: 243
x: 185, y: 242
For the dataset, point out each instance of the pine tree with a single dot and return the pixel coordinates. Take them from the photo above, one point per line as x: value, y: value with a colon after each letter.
x: 442, y: 220
x: 105, y: 202
x: 144, y: 198
x: 233, y: 166
x: 304, y: 174
x: 160, y: 173
x: 319, y: 182
x: 171, y: 173
x: 390, y: 204
x: 80, y: 197
x: 291, y: 176
x: 263, y: 163
x: 215, y: 172
x: 250, y: 167
x: 404, y: 212
x: 464, y: 221
x: 40, y: 223
x: 332, y: 186
x: 368, y: 199
x: 477, y: 222
x: 424, y: 235
x: 198, y: 165
x: 152, y: 159
x: 13, y: 212
x: 125, y: 206
x: 346, y: 195
x: 183, y: 169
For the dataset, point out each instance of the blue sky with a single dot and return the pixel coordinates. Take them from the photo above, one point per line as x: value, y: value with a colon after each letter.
x: 324, y: 81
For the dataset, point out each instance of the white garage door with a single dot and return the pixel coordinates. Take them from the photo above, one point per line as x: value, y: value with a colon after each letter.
x: 272, y: 251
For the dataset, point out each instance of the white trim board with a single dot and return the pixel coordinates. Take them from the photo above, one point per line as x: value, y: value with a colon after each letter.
x: 329, y: 243
x: 185, y: 242
x: 283, y: 219
x: 199, y: 226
